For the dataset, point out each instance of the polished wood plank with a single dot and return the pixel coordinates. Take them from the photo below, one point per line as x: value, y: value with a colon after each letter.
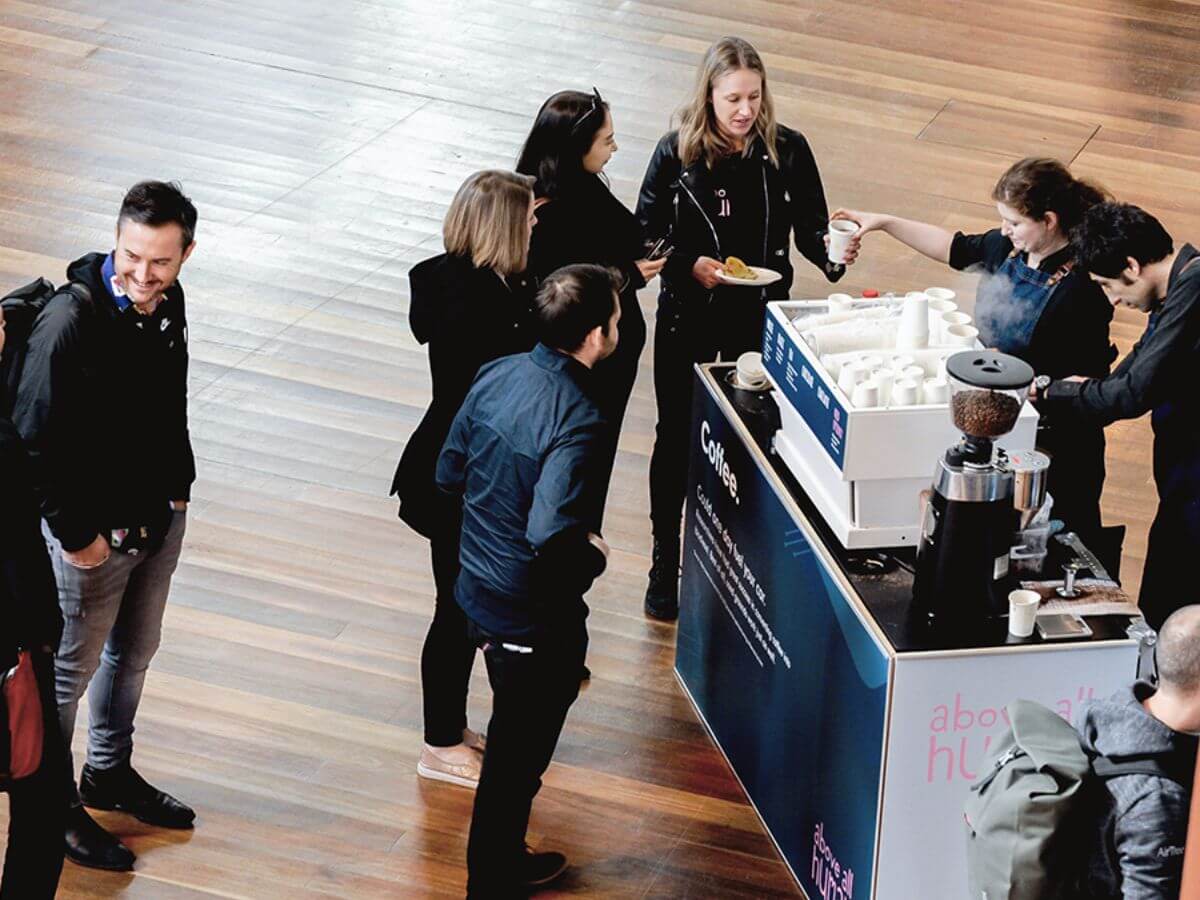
x: 322, y: 144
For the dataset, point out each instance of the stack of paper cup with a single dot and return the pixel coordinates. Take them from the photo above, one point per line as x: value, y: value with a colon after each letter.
x: 912, y: 373
x: 866, y: 395
x: 884, y: 379
x: 935, y: 390
x: 906, y: 392
x: 902, y: 361
x: 850, y: 375
x: 914, y: 322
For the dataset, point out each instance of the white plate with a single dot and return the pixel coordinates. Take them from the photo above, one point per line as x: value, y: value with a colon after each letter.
x: 765, y: 277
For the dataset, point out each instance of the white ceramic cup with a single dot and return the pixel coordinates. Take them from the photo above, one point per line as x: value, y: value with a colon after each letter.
x: 1022, y: 612
x: 852, y: 373
x: 906, y: 392
x: 935, y: 390
x: 962, y: 335
x: 866, y: 395
x: 953, y: 317
x: 936, y: 293
x: 884, y: 379
x: 840, y: 233
x: 750, y: 372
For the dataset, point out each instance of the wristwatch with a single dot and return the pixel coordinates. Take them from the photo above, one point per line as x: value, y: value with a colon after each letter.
x: 1040, y: 384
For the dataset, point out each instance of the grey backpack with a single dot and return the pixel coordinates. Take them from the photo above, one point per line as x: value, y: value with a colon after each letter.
x: 1029, y: 818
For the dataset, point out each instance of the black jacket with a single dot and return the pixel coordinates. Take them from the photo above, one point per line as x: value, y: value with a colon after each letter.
x: 102, y: 408
x: 29, y: 612
x: 681, y: 203
x: 468, y: 317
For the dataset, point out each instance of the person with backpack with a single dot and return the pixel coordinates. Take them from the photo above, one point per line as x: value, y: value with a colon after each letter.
x: 1144, y: 816
x: 29, y: 620
x: 101, y: 406
x: 1133, y: 259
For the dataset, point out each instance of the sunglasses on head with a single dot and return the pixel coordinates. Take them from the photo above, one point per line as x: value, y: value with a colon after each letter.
x: 597, y: 104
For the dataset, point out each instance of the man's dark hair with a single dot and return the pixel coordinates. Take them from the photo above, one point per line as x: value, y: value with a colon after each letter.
x: 1178, y: 650
x: 572, y: 301
x: 1110, y: 233
x: 156, y: 203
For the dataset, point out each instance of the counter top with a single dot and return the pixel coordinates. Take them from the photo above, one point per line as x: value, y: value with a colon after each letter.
x: 883, y: 579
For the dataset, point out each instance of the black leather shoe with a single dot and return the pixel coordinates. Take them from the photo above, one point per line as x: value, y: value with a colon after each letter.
x: 662, y: 594
x: 90, y: 845
x: 541, y: 868
x: 123, y: 789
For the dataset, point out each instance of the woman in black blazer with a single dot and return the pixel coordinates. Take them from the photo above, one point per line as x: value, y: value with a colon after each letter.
x: 731, y: 181
x: 581, y: 221
x: 30, y: 619
x: 471, y: 305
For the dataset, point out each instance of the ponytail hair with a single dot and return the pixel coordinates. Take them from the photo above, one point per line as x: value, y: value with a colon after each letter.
x: 1035, y: 186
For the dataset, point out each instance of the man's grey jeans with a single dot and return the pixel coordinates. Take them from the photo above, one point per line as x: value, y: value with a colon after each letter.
x: 112, y: 625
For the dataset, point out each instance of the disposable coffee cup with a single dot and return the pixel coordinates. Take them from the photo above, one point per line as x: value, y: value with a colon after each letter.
x: 871, y: 361
x: 750, y: 372
x: 840, y: 233
x: 1022, y: 612
x: 912, y: 373
x: 935, y: 390
x: 902, y: 361
x: 866, y: 395
x: 962, y: 335
x: 839, y: 301
x: 906, y: 392
x: 851, y: 374
x: 884, y: 379
x: 914, y: 322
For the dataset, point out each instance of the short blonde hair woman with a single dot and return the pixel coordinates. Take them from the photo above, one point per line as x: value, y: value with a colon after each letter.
x: 730, y: 181
x: 471, y: 305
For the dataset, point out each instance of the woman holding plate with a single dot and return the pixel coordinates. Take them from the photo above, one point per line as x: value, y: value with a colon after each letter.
x: 729, y: 182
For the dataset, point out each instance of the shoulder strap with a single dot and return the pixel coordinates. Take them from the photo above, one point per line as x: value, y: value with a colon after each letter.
x: 1105, y: 767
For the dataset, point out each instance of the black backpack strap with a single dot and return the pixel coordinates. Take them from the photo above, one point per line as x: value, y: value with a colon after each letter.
x: 1106, y: 767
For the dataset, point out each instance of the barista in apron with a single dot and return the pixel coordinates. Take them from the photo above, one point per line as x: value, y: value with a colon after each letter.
x: 1131, y: 256
x: 1034, y: 303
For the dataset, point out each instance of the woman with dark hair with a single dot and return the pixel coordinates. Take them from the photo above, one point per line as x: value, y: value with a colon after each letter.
x: 581, y: 221
x: 471, y: 305
x: 30, y: 619
x: 730, y: 181
x: 1033, y: 303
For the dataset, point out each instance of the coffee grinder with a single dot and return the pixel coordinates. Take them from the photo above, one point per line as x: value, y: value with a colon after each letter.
x: 978, y: 495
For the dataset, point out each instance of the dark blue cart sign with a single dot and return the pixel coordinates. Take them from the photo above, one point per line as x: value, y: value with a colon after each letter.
x: 807, y: 392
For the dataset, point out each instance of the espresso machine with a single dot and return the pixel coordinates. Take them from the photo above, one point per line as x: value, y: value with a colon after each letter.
x: 980, y: 496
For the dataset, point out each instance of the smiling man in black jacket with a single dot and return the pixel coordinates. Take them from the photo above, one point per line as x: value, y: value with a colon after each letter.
x: 102, y: 408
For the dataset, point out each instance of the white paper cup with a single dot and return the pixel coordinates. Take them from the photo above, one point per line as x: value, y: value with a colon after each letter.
x: 906, y: 392
x: 1022, y: 612
x: 884, y: 379
x: 902, y: 361
x: 935, y: 390
x: 871, y: 361
x: 852, y: 373
x: 839, y: 301
x: 914, y: 322
x: 936, y: 309
x: 750, y: 372
x: 912, y: 373
x: 954, y: 317
x: 832, y: 364
x: 866, y: 395
x: 962, y: 335
x: 840, y: 233
x: 936, y: 293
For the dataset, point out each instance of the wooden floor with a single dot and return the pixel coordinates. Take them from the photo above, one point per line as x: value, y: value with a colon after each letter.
x: 322, y: 142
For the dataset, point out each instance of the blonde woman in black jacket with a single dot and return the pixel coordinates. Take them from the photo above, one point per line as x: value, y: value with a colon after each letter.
x: 731, y: 181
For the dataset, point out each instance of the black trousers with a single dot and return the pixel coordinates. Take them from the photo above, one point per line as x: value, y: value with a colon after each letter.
x: 448, y: 653
x: 37, y: 815
x: 1171, y: 548
x: 1076, y: 477
x: 613, y: 379
x: 531, y: 693
x: 730, y: 327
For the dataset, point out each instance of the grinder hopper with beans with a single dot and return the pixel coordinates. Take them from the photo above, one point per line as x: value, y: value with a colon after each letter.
x: 980, y: 494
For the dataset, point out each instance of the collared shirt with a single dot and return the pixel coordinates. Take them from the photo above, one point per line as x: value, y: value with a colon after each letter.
x: 521, y: 453
x: 108, y: 274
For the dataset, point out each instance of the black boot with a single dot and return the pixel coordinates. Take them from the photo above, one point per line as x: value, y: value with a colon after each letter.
x: 662, y: 594
x: 122, y: 788
x: 88, y: 844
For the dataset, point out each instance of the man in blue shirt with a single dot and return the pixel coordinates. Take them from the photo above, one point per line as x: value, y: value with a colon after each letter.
x: 524, y: 453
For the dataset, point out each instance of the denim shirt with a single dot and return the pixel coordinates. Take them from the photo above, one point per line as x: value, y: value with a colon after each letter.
x: 520, y: 453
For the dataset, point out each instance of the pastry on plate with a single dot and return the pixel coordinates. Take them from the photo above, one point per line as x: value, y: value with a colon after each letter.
x: 735, y: 268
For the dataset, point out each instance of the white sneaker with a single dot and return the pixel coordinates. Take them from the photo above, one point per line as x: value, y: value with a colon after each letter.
x: 459, y: 765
